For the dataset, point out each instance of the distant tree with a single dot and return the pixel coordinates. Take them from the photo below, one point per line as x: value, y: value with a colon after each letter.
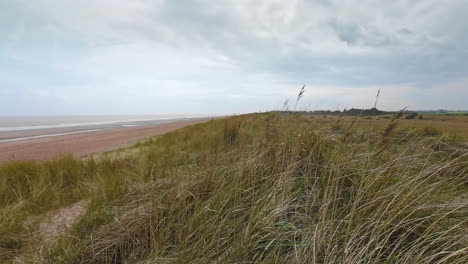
x: 411, y: 116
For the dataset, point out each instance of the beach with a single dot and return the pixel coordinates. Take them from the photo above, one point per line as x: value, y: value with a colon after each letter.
x: 79, y: 141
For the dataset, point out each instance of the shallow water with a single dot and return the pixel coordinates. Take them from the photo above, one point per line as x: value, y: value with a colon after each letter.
x: 23, y: 128
x: 42, y: 122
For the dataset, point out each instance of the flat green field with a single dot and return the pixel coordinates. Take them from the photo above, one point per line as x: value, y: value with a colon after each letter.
x: 259, y: 188
x: 447, y: 125
x: 445, y: 113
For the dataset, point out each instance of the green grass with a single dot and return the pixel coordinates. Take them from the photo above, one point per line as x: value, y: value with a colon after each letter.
x: 261, y: 188
x: 445, y: 113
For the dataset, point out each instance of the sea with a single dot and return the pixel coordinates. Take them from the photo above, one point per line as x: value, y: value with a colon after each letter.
x: 30, y: 127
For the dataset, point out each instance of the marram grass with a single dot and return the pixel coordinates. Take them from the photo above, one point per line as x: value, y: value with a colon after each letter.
x: 260, y: 188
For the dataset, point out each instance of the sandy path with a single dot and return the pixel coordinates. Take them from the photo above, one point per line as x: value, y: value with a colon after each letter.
x: 58, y: 222
x: 85, y: 143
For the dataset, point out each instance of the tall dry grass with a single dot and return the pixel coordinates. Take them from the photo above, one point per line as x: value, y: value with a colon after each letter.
x: 262, y: 188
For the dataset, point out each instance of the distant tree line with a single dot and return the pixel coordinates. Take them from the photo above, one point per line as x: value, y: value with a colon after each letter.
x: 348, y: 112
x: 355, y: 112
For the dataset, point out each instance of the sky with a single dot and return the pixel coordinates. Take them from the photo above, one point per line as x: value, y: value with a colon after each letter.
x: 68, y: 57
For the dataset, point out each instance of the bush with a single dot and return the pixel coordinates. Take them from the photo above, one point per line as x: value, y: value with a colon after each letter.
x: 411, y: 116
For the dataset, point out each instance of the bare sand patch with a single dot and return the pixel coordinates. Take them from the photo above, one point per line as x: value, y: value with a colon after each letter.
x: 58, y: 222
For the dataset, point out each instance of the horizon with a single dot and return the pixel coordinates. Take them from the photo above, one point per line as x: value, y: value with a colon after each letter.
x: 218, y: 115
x: 88, y: 58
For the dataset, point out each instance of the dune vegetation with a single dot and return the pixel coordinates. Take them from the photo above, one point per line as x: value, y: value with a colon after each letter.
x: 258, y: 188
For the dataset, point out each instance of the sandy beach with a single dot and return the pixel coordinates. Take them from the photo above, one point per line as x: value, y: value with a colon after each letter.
x: 81, y: 144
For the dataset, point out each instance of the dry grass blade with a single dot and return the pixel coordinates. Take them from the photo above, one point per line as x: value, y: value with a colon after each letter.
x: 299, y: 96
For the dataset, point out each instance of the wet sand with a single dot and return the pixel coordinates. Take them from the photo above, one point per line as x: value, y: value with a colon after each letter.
x: 82, y: 144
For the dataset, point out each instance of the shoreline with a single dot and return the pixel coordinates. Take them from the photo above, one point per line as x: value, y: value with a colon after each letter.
x: 82, y: 144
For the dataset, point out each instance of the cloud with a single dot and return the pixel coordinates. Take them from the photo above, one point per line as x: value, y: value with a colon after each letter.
x: 190, y: 54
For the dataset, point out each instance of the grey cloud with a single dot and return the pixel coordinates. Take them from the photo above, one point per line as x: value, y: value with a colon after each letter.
x: 398, y: 53
x: 329, y: 43
x: 354, y: 35
x: 348, y: 33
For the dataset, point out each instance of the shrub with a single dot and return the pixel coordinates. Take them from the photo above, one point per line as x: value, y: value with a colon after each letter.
x: 411, y: 116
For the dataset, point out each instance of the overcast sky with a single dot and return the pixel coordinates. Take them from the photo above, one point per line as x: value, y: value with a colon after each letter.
x: 61, y: 57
